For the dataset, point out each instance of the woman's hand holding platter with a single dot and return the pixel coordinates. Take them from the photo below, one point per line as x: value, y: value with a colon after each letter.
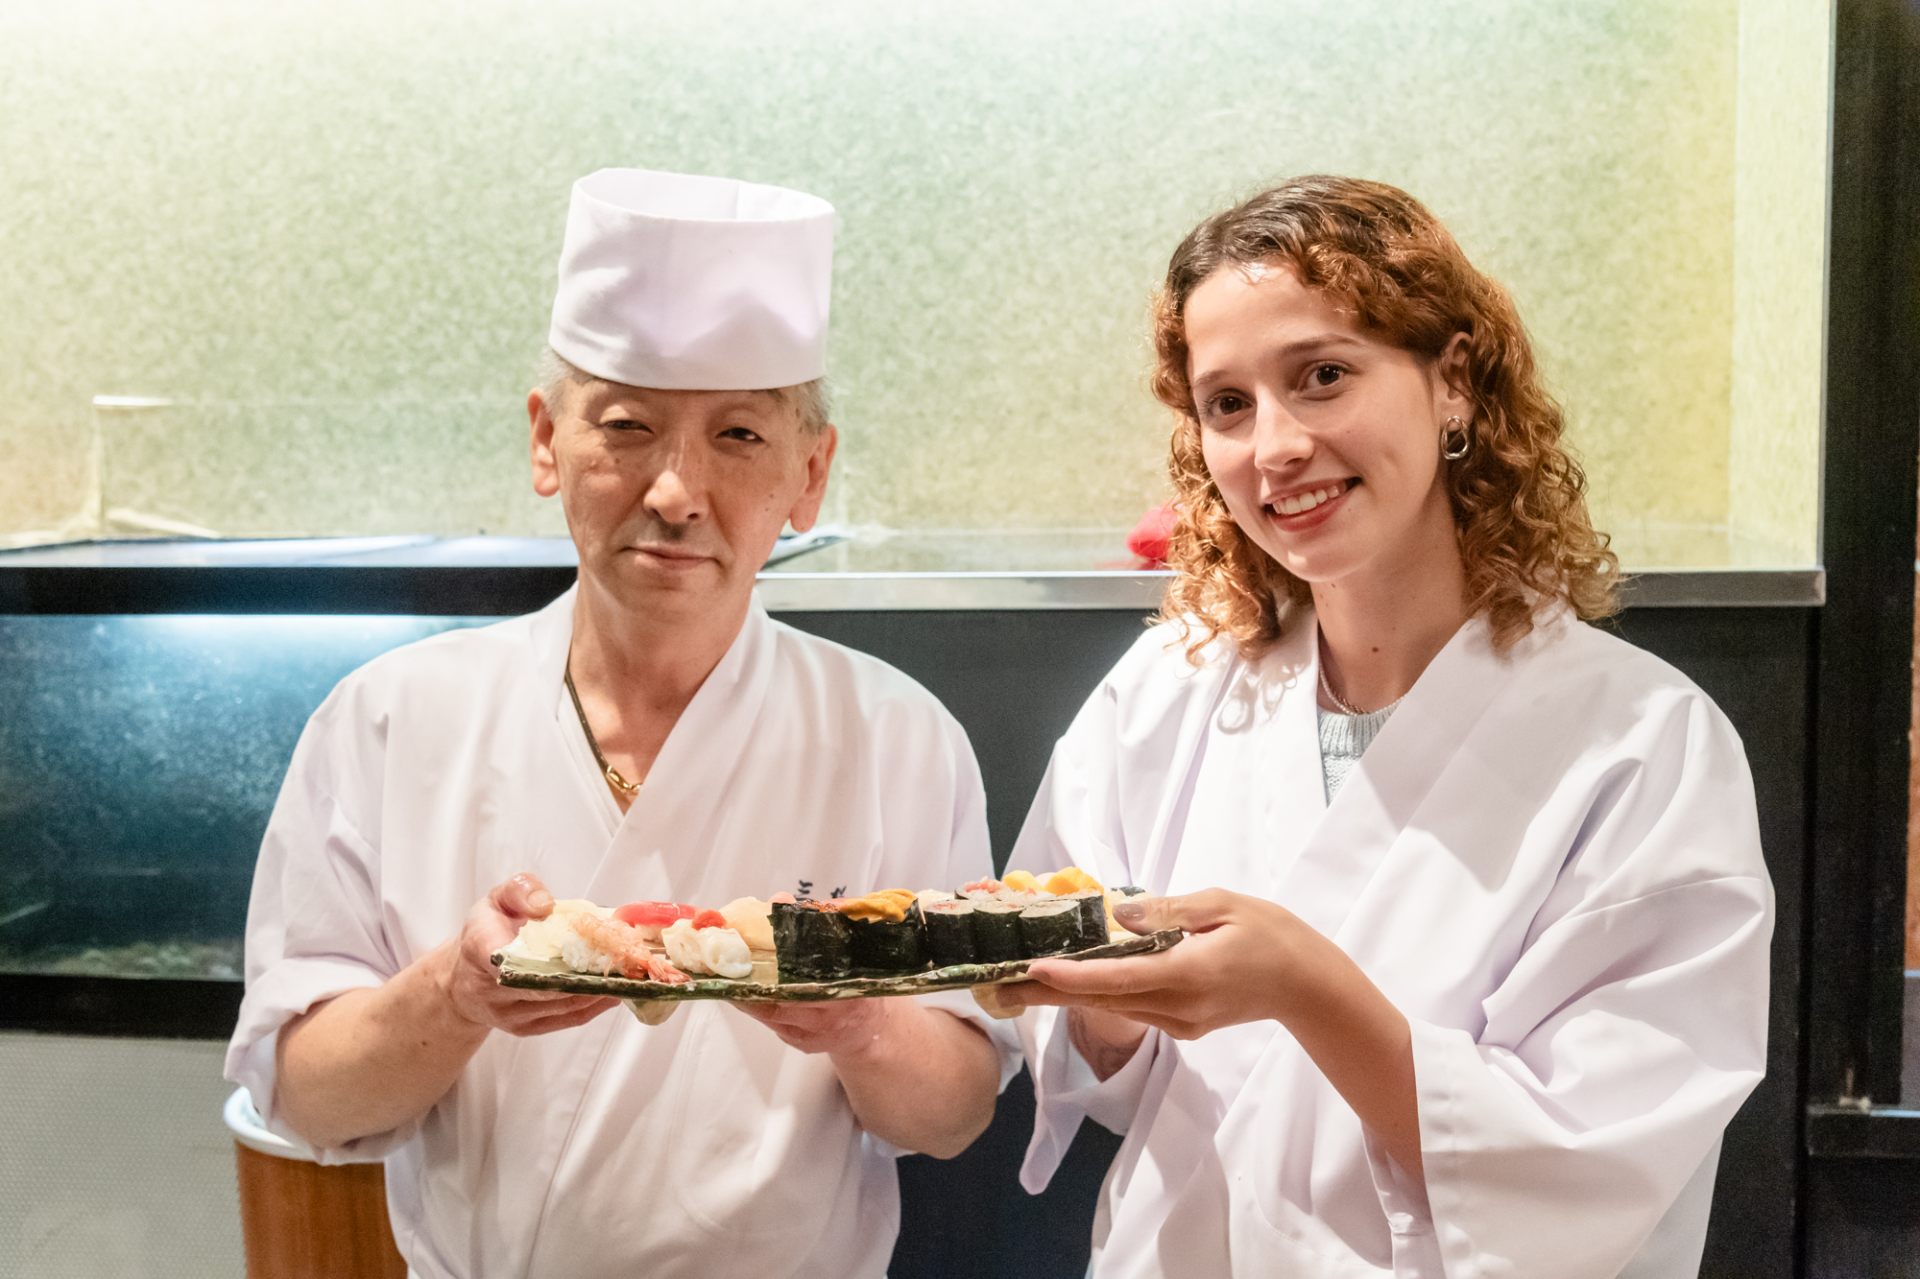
x: 1244, y: 959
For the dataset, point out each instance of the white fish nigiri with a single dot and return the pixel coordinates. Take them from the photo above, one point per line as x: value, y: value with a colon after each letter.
x: 548, y: 938
x: 749, y: 916
x: 724, y: 951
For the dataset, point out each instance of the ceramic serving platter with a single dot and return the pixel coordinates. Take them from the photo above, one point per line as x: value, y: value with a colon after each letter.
x: 544, y: 974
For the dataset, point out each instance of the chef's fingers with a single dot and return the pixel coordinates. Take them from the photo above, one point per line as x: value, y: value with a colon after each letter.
x: 566, y: 1019
x: 522, y: 897
x: 1193, y: 912
x: 539, y: 1019
x: 766, y: 1014
x: 802, y: 1018
x: 487, y: 930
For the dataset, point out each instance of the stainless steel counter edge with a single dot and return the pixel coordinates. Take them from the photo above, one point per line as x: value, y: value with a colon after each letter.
x: 789, y: 592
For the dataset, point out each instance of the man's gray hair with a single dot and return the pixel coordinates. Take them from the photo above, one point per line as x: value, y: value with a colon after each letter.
x: 555, y: 376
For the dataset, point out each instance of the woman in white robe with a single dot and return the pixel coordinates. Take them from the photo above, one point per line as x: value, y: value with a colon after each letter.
x: 1476, y: 965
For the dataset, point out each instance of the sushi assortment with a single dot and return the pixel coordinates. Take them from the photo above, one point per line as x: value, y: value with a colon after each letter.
x: 842, y: 944
x: 665, y: 942
x: 895, y: 932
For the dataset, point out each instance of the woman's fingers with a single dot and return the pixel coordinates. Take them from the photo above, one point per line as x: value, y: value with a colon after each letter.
x: 1192, y: 912
x: 1097, y: 976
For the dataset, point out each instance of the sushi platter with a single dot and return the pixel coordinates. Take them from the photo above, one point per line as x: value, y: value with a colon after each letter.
x: 546, y: 975
x: 892, y: 942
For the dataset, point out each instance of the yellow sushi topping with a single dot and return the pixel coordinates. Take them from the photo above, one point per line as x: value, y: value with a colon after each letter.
x: 1021, y: 881
x: 889, y: 904
x: 1072, y: 880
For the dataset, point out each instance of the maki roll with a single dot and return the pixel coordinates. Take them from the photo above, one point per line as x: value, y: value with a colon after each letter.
x: 888, y: 934
x: 949, y: 932
x: 1090, y: 909
x: 1050, y: 928
x: 996, y: 931
x: 811, y: 941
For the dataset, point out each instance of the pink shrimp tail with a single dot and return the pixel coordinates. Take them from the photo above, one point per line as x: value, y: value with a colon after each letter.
x: 658, y: 969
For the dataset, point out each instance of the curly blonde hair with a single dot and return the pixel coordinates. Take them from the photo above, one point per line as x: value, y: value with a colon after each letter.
x: 1518, y: 499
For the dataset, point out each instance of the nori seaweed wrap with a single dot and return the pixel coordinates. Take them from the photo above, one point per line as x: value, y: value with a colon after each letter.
x: 1091, y: 911
x: 949, y: 932
x: 1049, y: 928
x: 996, y: 932
x: 811, y: 942
x: 883, y: 947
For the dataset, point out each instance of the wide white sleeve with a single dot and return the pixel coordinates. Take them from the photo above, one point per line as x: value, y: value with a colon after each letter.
x: 1622, y: 1041
x: 1076, y: 821
x: 314, y: 919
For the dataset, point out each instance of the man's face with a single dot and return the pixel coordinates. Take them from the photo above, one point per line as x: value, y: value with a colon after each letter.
x: 675, y: 498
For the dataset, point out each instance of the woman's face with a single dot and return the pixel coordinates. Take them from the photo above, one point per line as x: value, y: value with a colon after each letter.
x: 1324, y: 441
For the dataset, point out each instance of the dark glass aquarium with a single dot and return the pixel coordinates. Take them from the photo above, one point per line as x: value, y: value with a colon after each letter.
x: 139, y: 759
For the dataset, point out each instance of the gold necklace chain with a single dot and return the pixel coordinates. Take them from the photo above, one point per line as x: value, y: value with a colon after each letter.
x: 619, y: 783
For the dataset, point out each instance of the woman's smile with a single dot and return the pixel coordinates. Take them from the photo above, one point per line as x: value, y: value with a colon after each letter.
x: 1301, y: 510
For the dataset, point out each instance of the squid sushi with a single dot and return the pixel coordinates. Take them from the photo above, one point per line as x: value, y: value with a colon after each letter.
x: 1049, y: 928
x: 811, y: 941
x: 996, y: 931
x: 725, y: 953
x: 949, y: 932
x: 682, y: 943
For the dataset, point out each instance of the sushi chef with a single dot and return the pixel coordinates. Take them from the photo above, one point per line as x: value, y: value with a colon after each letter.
x: 651, y: 734
x: 1477, y: 922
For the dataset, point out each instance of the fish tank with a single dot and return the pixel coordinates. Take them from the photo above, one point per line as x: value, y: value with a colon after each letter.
x: 139, y: 758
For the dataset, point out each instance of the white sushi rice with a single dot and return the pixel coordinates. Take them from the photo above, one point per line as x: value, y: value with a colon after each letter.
x: 581, y: 955
x: 547, y: 938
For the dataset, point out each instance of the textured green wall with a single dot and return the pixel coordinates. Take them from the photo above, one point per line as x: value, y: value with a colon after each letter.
x: 1779, y: 279
x: 327, y: 233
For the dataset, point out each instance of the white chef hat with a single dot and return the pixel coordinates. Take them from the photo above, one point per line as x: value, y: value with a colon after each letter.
x: 693, y: 283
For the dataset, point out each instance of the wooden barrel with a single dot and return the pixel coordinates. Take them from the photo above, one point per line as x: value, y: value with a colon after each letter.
x: 299, y: 1220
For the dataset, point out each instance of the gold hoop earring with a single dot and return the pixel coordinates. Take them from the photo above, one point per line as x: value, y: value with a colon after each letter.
x: 1455, y: 441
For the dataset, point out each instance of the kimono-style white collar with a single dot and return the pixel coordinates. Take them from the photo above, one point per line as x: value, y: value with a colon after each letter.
x: 552, y: 635
x: 1387, y: 788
